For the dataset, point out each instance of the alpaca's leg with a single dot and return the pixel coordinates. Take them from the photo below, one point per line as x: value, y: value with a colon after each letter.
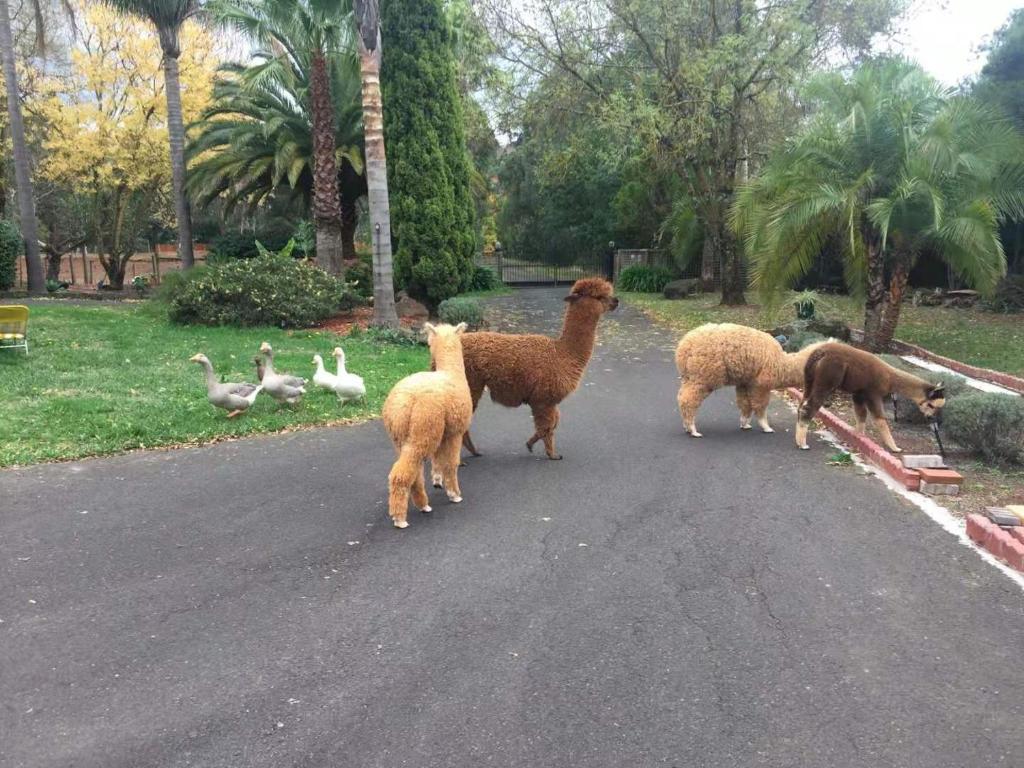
x: 447, y: 461
x: 691, y: 395
x: 878, y: 416
x: 760, y: 397
x: 545, y: 419
x: 476, y: 391
x: 406, y: 469
x: 860, y: 411
x: 419, y: 492
x: 743, y: 403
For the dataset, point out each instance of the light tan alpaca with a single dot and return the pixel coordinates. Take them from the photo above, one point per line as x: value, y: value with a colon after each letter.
x: 723, y: 354
x: 426, y: 415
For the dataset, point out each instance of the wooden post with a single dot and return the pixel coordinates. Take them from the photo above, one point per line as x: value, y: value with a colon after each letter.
x: 71, y: 263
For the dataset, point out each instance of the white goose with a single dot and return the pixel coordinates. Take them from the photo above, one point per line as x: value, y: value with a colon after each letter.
x: 347, y: 386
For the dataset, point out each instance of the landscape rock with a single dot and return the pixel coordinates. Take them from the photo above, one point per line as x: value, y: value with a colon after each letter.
x: 408, y: 307
x: 682, y: 289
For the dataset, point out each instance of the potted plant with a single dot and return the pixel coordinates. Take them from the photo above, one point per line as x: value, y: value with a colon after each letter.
x: 805, y: 303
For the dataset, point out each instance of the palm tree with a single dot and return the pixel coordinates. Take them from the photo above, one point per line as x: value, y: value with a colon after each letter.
x: 304, y: 35
x: 896, y: 166
x: 169, y: 16
x: 367, y: 13
x: 256, y: 138
x: 23, y: 178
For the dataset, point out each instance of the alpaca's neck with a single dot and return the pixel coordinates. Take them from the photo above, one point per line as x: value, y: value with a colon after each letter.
x: 790, y: 370
x: 448, y: 359
x: 579, y: 330
x: 908, y: 385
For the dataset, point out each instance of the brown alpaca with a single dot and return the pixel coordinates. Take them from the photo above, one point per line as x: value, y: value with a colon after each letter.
x: 723, y: 354
x: 426, y: 415
x: 838, y: 366
x: 534, y: 370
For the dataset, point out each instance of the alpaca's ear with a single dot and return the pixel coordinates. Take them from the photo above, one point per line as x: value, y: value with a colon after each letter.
x: 939, y: 390
x: 460, y: 329
x: 573, y: 297
x: 429, y: 329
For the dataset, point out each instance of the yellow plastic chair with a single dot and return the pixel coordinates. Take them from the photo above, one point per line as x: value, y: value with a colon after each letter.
x: 14, y: 327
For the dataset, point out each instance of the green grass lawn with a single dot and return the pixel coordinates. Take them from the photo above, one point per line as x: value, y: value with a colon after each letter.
x: 971, y: 336
x: 105, y: 379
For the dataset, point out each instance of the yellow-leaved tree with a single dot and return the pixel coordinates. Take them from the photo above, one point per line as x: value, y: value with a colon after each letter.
x: 107, y: 121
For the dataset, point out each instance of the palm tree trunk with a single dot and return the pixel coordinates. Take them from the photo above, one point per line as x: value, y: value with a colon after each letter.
x: 377, y: 188
x: 873, y: 302
x: 176, y: 136
x: 326, y: 203
x: 894, y: 303
x: 23, y: 179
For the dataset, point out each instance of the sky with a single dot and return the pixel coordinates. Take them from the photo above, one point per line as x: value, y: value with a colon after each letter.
x: 944, y: 35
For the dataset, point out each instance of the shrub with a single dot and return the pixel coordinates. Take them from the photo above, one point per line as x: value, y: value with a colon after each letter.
x: 360, y: 276
x: 801, y: 339
x: 271, y: 289
x: 10, y: 247
x: 1008, y: 296
x: 242, y: 245
x: 643, y: 279
x: 906, y: 409
x: 989, y: 424
x: 484, y: 279
x: 461, y: 310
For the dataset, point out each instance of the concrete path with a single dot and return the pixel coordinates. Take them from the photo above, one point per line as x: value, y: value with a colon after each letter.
x: 652, y: 600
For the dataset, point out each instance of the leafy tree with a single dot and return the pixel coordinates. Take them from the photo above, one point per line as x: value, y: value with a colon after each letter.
x: 368, y: 39
x: 429, y: 168
x: 168, y: 17
x: 704, y: 85
x: 255, y: 139
x: 108, y: 126
x: 306, y: 36
x: 1002, y: 78
x: 896, y: 165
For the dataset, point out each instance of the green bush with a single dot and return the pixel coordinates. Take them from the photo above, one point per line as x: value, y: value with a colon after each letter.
x: 360, y: 275
x: 10, y: 247
x: 461, y: 310
x: 484, y: 279
x: 643, y: 279
x: 906, y: 409
x: 801, y: 339
x: 271, y: 289
x: 242, y: 245
x: 989, y: 424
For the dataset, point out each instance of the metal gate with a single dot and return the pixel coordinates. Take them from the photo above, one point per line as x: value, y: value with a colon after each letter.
x: 514, y: 271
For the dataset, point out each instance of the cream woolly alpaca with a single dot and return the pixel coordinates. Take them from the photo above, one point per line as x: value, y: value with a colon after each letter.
x: 426, y: 415
x: 723, y: 354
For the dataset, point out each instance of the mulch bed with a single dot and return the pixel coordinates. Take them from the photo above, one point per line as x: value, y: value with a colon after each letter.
x: 361, y: 317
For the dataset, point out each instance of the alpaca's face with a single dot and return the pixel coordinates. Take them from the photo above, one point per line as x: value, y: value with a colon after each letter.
x: 443, y: 336
x: 596, y: 289
x: 933, y: 402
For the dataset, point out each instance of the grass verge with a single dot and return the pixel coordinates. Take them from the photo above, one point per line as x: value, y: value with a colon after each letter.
x: 102, y: 380
x: 970, y: 335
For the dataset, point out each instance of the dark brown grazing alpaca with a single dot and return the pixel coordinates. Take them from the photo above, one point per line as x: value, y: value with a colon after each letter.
x: 534, y: 370
x: 838, y: 366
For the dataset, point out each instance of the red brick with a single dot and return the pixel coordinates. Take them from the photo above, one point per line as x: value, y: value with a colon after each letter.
x: 978, y: 528
x: 941, y: 476
x: 1013, y: 553
x: 997, y: 541
x: 1018, y: 533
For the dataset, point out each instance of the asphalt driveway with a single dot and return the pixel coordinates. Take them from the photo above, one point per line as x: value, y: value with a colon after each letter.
x: 652, y: 600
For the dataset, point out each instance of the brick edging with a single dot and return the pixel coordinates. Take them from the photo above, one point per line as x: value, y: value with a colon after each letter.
x: 1000, y: 543
x: 864, y: 445
x: 1007, y: 380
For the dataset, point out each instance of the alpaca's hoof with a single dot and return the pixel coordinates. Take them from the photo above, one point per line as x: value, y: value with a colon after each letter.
x: 745, y: 426
x: 454, y: 499
x: 529, y: 446
x: 437, y: 481
x: 804, y: 447
x: 695, y: 433
x: 427, y: 509
x: 894, y: 449
x: 401, y: 523
x: 555, y: 456
x: 767, y: 430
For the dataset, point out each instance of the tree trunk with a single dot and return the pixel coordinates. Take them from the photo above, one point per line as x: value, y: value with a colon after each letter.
x: 377, y: 187
x: 873, y: 302
x: 707, y: 265
x: 176, y: 136
x: 53, y: 261
x: 719, y: 238
x: 23, y: 178
x: 349, y: 222
x: 326, y: 203
x: 893, y: 305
